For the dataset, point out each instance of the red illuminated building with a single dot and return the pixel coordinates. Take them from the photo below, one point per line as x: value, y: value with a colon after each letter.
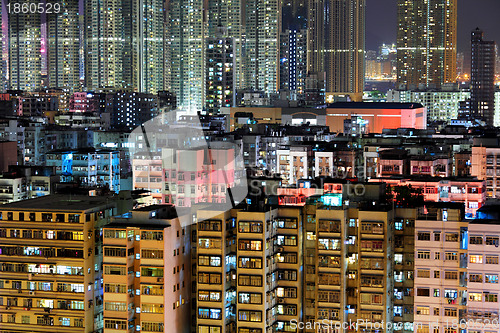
x: 379, y: 116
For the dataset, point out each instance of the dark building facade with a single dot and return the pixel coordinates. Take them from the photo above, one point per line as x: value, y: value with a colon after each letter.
x: 483, y: 58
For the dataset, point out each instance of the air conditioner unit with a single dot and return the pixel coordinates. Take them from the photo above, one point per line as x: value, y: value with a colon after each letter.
x: 160, y: 279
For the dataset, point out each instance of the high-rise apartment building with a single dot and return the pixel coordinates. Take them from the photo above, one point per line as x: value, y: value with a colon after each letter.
x: 262, y: 29
x: 336, y: 44
x: 483, y: 268
x: 49, y: 275
x: 482, y: 84
x: 63, y: 46
x: 262, y: 268
x: 426, y: 42
x: 143, y: 45
x: 103, y: 44
x: 227, y: 15
x: 293, y: 60
x: 315, y: 28
x: 347, y: 271
x: 248, y: 274
x: 146, y: 279
x: 185, y: 46
x: 3, y: 61
x: 440, y: 289
x: 25, y: 50
x: 125, y: 45
x: 220, y: 78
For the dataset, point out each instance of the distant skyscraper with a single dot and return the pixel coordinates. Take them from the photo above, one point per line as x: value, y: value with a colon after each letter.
x: 228, y: 14
x: 315, y: 36
x: 185, y: 29
x: 262, y: 24
x: 336, y: 43
x: 124, y: 44
x: 482, y: 86
x: 427, y: 42
x: 293, y: 45
x: 144, y: 49
x: 3, y: 64
x: 219, y: 69
x: 63, y: 41
x: 103, y: 44
x: 293, y: 15
x: 25, y: 58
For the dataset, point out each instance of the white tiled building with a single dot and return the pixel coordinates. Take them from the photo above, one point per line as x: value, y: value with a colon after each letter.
x: 440, y: 270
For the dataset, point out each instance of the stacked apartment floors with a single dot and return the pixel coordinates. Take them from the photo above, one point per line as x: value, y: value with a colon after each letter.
x: 248, y: 276
x: 441, y: 249
x: 48, y: 270
x: 146, y: 272
x: 348, y: 281
x: 291, y: 269
x: 404, y: 266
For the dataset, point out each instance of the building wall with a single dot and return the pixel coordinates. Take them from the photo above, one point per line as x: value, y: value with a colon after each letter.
x: 25, y: 58
x: 160, y: 286
x: 378, y: 119
x: 440, y: 270
x: 8, y: 154
x: 261, y: 268
x: 485, y: 166
x: 482, y: 283
x: 48, y: 273
x: 426, y: 42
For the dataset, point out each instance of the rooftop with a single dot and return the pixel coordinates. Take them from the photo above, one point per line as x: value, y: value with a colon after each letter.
x: 58, y: 202
x: 373, y: 105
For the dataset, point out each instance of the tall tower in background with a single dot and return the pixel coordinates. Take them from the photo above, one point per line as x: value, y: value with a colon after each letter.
x: 228, y: 15
x: 482, y: 84
x: 426, y: 42
x: 124, y: 44
x: 25, y: 58
x: 103, y: 44
x: 3, y: 67
x: 336, y: 44
x: 63, y: 41
x: 220, y: 76
x: 185, y: 28
x: 293, y: 59
x: 293, y: 48
x: 263, y: 25
x: 344, y: 48
x: 143, y: 48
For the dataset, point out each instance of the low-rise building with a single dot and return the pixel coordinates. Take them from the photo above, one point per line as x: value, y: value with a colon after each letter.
x: 49, y: 276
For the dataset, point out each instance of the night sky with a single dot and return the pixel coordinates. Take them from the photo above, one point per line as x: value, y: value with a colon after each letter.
x: 381, y: 23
